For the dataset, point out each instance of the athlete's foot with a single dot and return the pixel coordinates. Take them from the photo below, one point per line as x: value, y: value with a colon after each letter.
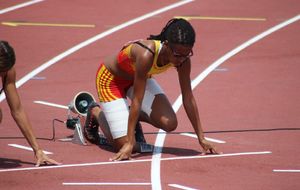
x: 90, y: 128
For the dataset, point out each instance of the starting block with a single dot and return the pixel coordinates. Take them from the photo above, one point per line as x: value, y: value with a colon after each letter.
x: 78, y: 134
x: 145, y: 147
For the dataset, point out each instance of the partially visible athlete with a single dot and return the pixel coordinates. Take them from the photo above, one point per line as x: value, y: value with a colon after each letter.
x: 8, y: 76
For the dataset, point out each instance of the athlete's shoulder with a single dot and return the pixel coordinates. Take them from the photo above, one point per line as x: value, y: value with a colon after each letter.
x: 144, y: 47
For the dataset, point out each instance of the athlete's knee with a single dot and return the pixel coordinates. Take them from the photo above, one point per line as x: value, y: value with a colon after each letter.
x: 170, y: 124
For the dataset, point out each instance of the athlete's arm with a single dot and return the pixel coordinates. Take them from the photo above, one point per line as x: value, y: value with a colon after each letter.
x: 21, y: 118
x: 143, y: 60
x: 190, y: 105
x: 17, y: 110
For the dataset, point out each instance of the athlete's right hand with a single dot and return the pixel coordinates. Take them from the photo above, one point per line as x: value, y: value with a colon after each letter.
x: 124, y: 153
x: 42, y: 158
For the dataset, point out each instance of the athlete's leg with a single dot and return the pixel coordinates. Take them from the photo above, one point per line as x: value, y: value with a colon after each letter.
x: 103, y: 124
x: 162, y: 115
x: 115, y: 116
x: 114, y: 113
x: 96, y: 118
x: 91, y: 123
x: 156, y: 107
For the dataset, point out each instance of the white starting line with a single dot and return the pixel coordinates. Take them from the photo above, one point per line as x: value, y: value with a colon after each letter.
x: 121, y: 184
x: 26, y: 148
x: 137, y: 161
x: 104, y: 184
x: 287, y: 171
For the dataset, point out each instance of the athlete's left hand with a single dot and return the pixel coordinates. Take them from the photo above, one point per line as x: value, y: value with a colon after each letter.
x: 124, y: 153
x: 208, y: 147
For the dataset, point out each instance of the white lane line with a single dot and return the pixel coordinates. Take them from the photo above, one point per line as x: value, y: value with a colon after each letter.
x: 221, y: 69
x: 160, y: 138
x: 215, y: 140
x: 181, y: 187
x: 65, y: 139
x: 288, y: 171
x: 138, y: 161
x: 51, y: 104
x: 19, y: 6
x: 38, y: 78
x: 207, y: 138
x: 26, y: 148
x: 105, y: 184
x: 121, y: 184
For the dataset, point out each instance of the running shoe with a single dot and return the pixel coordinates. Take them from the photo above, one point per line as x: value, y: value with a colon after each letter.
x: 90, y: 129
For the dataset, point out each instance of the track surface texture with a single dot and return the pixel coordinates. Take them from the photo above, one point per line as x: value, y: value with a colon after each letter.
x: 248, y: 94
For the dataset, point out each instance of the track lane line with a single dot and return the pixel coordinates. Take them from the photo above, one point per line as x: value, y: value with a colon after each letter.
x: 287, y: 171
x: 51, y: 104
x: 159, y: 142
x: 221, y: 18
x: 181, y: 187
x: 104, y: 184
x: 137, y: 161
x: 26, y: 148
x: 19, y: 6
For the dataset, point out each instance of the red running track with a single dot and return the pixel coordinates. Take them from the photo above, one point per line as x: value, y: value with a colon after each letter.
x: 251, y: 101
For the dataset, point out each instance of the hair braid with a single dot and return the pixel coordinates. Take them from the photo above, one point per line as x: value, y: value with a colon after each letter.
x: 177, y: 31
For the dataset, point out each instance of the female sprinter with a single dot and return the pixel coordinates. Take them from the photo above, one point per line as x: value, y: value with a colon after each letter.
x: 129, y: 75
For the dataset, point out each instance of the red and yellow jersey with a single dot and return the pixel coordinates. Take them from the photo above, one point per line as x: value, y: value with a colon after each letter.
x: 111, y: 87
x: 127, y: 64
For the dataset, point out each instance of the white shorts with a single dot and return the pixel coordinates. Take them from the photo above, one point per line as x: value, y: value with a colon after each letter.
x: 117, y: 111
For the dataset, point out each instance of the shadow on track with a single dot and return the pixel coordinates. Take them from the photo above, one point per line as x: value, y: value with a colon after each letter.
x: 6, y: 163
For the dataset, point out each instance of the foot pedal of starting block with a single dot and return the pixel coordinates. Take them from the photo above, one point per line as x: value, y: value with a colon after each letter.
x: 145, y: 148
x: 78, y: 135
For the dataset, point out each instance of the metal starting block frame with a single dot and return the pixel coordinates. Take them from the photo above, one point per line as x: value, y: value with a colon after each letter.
x: 72, y: 124
x: 78, y: 134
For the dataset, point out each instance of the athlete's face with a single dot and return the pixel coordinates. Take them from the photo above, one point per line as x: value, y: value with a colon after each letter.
x: 180, y: 53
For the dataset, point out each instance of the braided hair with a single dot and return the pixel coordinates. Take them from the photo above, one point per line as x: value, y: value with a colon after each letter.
x: 177, y: 31
x: 7, y: 56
